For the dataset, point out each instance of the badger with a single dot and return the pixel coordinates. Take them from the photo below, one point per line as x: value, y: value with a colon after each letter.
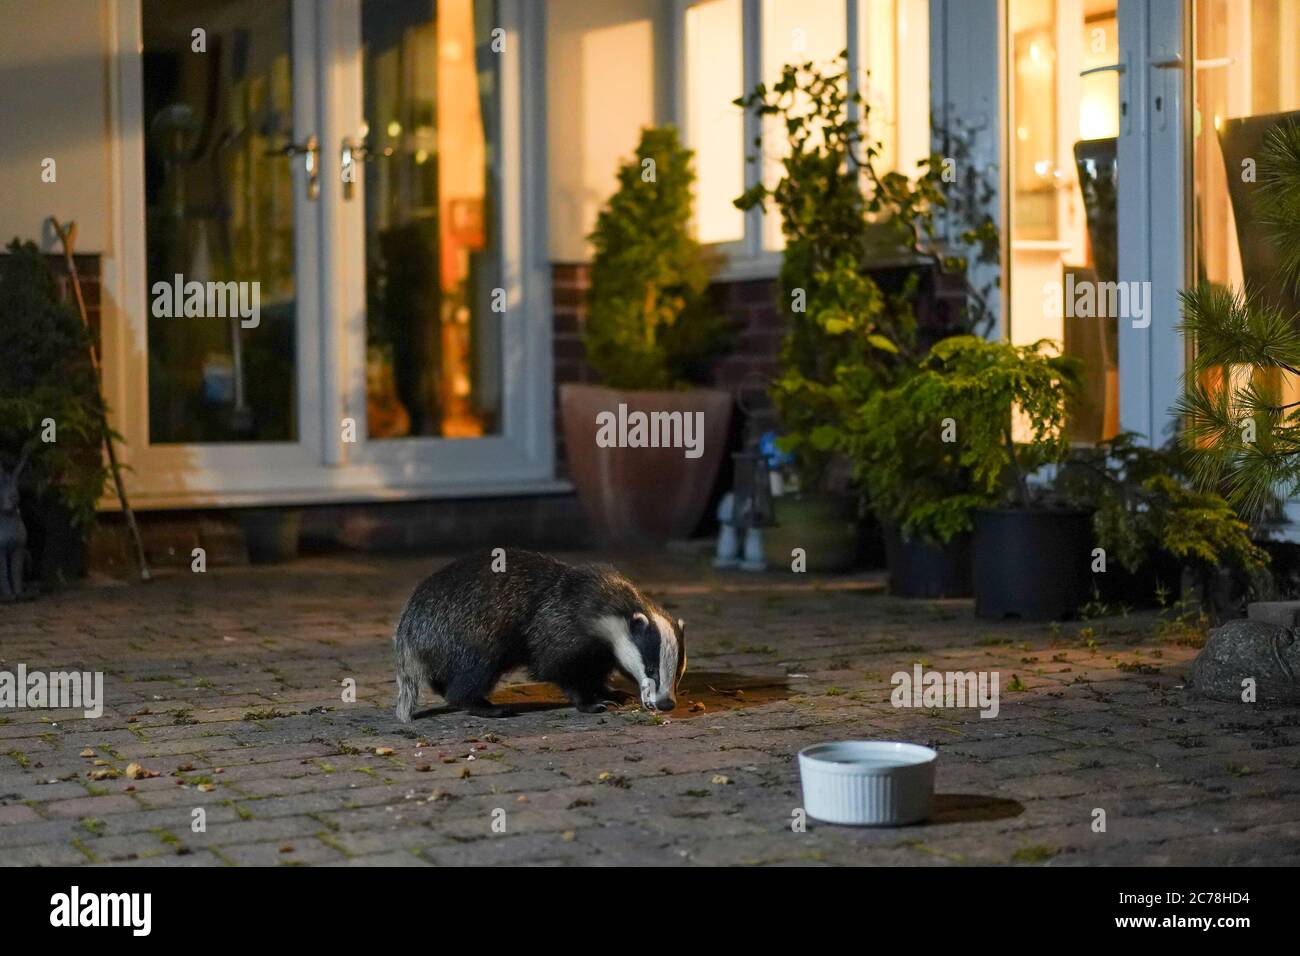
x: 573, y: 626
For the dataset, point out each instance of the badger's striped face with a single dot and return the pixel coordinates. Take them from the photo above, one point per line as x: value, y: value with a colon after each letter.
x: 651, y: 650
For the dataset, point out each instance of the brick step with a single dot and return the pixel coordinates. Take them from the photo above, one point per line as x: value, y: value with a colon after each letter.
x: 546, y: 522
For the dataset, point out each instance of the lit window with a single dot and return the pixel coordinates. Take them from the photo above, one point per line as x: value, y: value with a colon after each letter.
x: 890, y: 47
x: 1063, y: 101
x: 715, y: 126
x: 794, y: 31
x: 894, y: 77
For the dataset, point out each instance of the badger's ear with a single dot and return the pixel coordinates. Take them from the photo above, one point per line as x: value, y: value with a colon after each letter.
x: 681, y: 625
x: 640, y: 623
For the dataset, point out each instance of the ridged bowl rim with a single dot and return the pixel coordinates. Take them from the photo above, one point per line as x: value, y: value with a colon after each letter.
x: 848, y: 757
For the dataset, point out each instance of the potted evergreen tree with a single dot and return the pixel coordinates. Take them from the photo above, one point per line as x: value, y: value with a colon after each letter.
x: 49, y: 404
x: 1241, y: 431
x: 1005, y: 407
x: 644, y: 447
x: 910, y: 468
x: 1160, y: 537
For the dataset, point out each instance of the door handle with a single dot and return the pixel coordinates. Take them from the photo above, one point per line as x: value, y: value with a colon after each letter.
x: 351, y: 154
x: 1108, y: 68
x: 1214, y: 63
x: 309, y: 150
x: 1163, y: 99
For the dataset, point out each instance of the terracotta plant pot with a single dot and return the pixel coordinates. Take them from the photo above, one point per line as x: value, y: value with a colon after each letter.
x: 643, y: 495
x: 825, y: 526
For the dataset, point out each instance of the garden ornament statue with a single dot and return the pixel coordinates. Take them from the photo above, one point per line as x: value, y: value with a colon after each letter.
x: 752, y: 505
x: 727, y: 553
x: 13, y: 533
x: 748, y: 506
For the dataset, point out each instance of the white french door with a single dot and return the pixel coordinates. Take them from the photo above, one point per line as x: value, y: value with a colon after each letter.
x: 1153, y: 227
x: 359, y: 170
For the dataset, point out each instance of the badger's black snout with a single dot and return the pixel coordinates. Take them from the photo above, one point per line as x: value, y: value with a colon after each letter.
x: 665, y: 702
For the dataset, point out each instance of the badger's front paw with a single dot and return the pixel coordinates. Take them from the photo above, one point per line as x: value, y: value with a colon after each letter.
x: 616, y: 698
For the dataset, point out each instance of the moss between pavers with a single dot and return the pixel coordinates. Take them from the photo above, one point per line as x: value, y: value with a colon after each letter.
x: 1034, y: 853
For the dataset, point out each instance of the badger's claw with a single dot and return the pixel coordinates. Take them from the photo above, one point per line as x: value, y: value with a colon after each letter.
x: 594, y: 708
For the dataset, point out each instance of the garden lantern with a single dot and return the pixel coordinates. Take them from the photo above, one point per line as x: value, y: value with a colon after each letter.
x: 748, y: 507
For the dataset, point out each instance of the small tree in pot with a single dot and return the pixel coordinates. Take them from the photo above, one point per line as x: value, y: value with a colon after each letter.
x: 1241, y: 430
x: 910, y: 468
x: 1007, y: 407
x: 50, y: 405
x: 1159, y: 536
x: 645, y: 448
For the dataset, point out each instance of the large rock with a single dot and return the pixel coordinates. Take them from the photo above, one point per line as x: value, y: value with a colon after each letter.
x: 1240, y: 649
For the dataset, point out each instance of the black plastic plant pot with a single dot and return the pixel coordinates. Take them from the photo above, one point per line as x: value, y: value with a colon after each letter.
x: 271, y: 534
x: 59, y: 549
x: 1156, y: 580
x: 1033, y: 565
x: 921, y: 568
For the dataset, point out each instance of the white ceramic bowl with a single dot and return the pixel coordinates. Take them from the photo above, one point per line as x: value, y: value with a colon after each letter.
x: 867, y: 782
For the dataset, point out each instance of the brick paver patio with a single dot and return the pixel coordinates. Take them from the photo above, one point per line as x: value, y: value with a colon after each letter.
x: 229, y: 686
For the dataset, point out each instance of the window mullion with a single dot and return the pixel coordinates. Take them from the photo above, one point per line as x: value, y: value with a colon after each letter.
x: 752, y: 38
x: 677, y: 99
x: 854, y: 53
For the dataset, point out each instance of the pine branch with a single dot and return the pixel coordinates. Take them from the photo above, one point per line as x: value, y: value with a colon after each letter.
x: 1233, y: 327
x: 1279, y: 210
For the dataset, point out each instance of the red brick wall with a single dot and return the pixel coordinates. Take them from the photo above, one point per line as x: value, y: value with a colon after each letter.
x: 751, y: 304
x: 569, y: 284
x: 88, y: 271
x: 759, y: 330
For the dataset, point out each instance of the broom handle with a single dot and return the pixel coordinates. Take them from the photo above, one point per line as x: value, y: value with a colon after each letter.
x: 93, y: 349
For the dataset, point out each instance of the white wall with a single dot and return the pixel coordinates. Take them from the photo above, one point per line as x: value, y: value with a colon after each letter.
x: 604, y: 81
x: 54, y: 104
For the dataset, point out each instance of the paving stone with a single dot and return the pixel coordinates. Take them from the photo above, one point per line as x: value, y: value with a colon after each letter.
x: 18, y: 813
x: 91, y: 806
x: 391, y: 858
x: 44, y: 854
x: 297, y: 851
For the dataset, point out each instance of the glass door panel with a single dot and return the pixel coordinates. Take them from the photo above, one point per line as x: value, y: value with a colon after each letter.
x: 1245, y: 84
x: 220, y: 221
x: 430, y: 89
x: 1062, y: 139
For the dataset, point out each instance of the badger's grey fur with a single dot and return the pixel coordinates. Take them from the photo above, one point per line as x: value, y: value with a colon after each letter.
x: 573, y: 626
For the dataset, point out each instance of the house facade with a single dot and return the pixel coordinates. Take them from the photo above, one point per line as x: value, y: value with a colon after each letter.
x: 339, y: 245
